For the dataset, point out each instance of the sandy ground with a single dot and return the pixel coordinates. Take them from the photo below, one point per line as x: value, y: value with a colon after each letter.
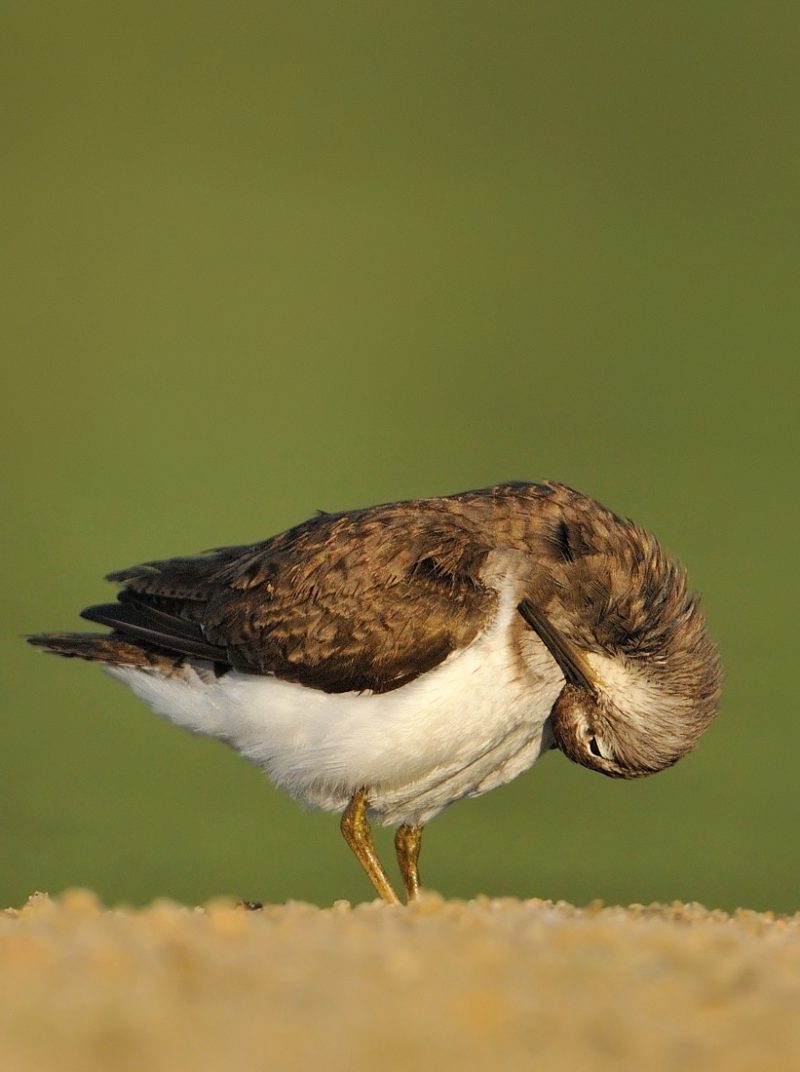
x: 441, y: 985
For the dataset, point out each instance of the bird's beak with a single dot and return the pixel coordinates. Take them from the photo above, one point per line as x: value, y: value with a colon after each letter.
x: 571, y: 662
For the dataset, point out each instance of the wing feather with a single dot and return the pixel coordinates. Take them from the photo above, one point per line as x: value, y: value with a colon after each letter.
x: 344, y: 602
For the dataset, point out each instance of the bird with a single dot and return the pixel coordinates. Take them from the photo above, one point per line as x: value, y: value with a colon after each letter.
x: 385, y: 662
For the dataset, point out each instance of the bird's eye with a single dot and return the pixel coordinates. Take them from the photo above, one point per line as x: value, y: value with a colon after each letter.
x: 594, y: 748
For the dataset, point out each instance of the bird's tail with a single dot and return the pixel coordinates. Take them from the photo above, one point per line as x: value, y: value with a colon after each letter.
x: 95, y: 647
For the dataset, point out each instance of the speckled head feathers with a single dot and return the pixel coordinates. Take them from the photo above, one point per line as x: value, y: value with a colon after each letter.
x: 623, y: 604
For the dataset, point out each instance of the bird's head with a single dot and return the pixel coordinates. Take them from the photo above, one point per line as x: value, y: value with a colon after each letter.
x: 642, y: 679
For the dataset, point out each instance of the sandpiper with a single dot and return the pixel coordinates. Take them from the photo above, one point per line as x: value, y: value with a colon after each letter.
x: 385, y: 662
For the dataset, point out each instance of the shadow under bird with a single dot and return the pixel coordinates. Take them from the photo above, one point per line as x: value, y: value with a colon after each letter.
x: 385, y: 662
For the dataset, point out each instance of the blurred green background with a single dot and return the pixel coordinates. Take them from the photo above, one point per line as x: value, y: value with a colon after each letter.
x: 265, y: 258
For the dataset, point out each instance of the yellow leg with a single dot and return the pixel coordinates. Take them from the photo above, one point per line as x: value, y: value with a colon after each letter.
x: 356, y: 832
x: 407, y: 843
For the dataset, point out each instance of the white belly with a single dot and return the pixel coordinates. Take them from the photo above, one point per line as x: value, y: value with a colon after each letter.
x: 474, y: 722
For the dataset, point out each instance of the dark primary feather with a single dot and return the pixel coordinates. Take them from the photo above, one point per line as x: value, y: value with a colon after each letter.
x: 142, y: 621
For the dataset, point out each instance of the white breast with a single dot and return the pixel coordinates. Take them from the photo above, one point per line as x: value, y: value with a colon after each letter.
x: 474, y: 722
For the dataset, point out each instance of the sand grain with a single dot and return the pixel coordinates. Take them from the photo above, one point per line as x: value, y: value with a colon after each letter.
x: 441, y: 985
